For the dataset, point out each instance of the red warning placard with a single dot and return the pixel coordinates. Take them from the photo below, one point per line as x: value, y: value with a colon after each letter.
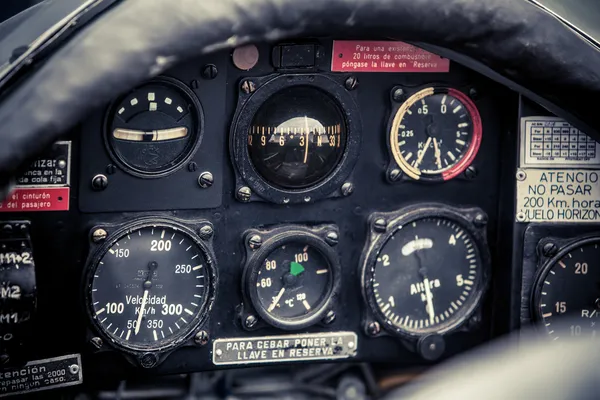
x: 383, y: 56
x: 37, y: 199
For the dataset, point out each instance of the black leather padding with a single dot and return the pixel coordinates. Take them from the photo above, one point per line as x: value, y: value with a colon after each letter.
x: 137, y: 39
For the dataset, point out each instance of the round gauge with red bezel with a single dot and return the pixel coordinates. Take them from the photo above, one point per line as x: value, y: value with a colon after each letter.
x: 435, y: 134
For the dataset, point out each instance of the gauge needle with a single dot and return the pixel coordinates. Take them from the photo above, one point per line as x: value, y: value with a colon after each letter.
x: 438, y: 154
x: 429, y: 306
x: 427, y: 143
x: 276, y: 300
x: 306, y: 148
x: 141, y: 314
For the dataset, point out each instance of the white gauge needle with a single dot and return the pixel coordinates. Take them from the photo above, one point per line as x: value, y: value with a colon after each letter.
x: 141, y: 314
x: 438, y: 154
x: 276, y: 300
x: 306, y: 150
x: 425, y: 148
x: 429, y: 306
x: 159, y: 135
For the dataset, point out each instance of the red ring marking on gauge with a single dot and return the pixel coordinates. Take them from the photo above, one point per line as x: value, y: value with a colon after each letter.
x: 475, y: 140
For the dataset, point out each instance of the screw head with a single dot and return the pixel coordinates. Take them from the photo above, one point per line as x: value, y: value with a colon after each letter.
x: 329, y: 317
x: 96, y: 342
x: 250, y: 321
x: 148, y: 360
x: 243, y: 194
x: 431, y: 347
x: 74, y: 369
x: 254, y: 242
x: 201, y: 338
x: 206, y: 231
x: 549, y: 249
x: 597, y: 303
x: 206, y: 180
x: 521, y: 175
x: 373, y: 328
x: 480, y: 220
x: 521, y: 217
x: 192, y: 166
x: 395, y: 174
x: 111, y: 169
x: 351, y: 83
x: 219, y: 352
x: 209, y: 71
x: 347, y: 189
x: 473, y: 93
x: 4, y: 359
x: 471, y: 172
x: 332, y: 238
x: 307, y: 199
x: 99, y: 235
x: 248, y: 86
x: 380, y: 225
x: 99, y: 182
x: 398, y: 95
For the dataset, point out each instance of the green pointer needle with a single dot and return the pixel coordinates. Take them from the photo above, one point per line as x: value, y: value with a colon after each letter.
x: 296, y: 268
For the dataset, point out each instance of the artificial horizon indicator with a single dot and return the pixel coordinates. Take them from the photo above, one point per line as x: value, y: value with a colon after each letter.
x: 435, y: 134
x: 148, y: 289
x: 567, y: 288
x: 155, y: 128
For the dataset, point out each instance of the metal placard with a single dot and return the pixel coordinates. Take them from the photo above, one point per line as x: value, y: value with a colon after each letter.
x: 558, y: 195
x: 553, y: 142
x: 50, y: 373
x: 52, y: 169
x: 286, y: 348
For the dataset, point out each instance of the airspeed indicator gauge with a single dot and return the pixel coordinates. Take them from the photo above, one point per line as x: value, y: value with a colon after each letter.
x: 149, y: 286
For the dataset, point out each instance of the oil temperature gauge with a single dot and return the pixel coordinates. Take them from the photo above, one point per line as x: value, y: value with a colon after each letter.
x: 292, y: 279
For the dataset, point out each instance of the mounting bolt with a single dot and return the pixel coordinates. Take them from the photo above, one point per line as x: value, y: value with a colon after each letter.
x: 192, y: 166
x: 248, y: 86
x: 373, y: 328
x: 307, y: 199
x: 99, y: 235
x: 255, y: 241
x: 347, y: 189
x: 521, y: 175
x: 521, y: 217
x: 351, y: 83
x: 329, y: 317
x: 395, y: 174
x: 206, y: 231
x: 380, y: 225
x: 243, y: 194
x: 398, y: 95
x: 4, y: 359
x: 480, y: 220
x: 74, y: 369
x: 201, y: 338
x: 209, y: 71
x: 250, y: 321
x: 219, y: 352
x: 332, y: 238
x: 471, y: 172
x: 473, y: 93
x: 96, y: 342
x: 206, y: 180
x: 549, y: 249
x: 148, y: 360
x: 99, y: 182
x: 111, y: 169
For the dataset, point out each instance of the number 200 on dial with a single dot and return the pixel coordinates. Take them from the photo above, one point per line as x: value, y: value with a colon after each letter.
x: 150, y: 287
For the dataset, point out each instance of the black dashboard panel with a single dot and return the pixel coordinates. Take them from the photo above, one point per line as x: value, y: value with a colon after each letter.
x: 63, y: 240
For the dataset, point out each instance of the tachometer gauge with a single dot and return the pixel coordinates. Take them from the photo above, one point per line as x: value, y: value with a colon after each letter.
x: 291, y: 280
x: 297, y: 137
x: 426, y: 274
x: 149, y: 286
x: 155, y: 128
x: 568, y: 288
x: 435, y: 134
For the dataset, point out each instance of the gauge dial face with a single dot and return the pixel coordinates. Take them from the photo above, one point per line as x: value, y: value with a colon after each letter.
x: 427, y: 277
x: 150, y: 287
x: 436, y: 134
x: 297, y: 137
x: 293, y: 282
x: 154, y: 129
x: 569, y: 288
